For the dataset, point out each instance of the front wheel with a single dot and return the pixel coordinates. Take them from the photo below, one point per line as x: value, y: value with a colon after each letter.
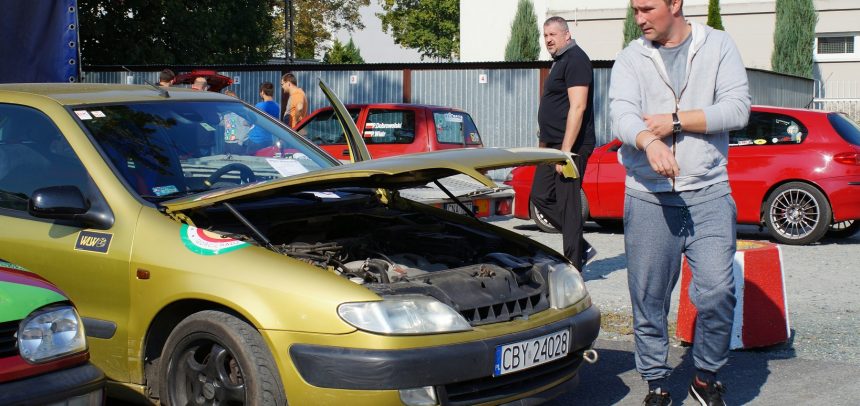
x: 213, y: 358
x: 797, y: 214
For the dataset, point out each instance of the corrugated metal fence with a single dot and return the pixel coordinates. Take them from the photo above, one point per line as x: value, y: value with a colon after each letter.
x: 502, y: 98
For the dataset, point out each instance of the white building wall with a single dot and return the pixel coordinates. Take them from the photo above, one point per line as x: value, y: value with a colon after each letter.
x: 597, y: 26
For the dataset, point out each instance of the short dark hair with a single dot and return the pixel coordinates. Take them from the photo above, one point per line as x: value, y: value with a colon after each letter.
x: 267, y: 88
x: 166, y: 75
x: 289, y: 77
x: 556, y: 20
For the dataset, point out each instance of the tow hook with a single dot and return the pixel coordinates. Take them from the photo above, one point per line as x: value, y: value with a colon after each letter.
x: 590, y: 356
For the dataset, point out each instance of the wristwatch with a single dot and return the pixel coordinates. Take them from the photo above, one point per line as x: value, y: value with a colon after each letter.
x: 676, y: 124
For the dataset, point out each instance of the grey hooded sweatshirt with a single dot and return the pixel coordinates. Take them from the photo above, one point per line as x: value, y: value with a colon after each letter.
x: 715, y: 82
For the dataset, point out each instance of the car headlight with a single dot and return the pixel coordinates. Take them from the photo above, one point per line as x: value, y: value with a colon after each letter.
x: 565, y: 286
x: 51, y: 333
x: 403, y: 315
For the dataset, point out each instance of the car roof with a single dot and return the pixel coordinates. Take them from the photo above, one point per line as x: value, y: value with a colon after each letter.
x: 69, y: 94
x: 775, y: 109
x: 399, y: 105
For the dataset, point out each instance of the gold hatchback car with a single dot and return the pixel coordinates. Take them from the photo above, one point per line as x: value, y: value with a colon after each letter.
x: 217, y: 257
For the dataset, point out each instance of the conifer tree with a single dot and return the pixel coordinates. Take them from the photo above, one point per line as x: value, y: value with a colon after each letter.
x: 340, y: 53
x: 524, y: 42
x: 631, y: 29
x: 794, y: 37
x: 715, y: 20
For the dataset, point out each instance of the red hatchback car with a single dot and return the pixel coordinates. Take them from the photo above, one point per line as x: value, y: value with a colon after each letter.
x: 393, y: 129
x: 795, y: 171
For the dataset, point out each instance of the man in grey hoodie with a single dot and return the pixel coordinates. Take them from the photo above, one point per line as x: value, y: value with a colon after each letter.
x: 675, y: 93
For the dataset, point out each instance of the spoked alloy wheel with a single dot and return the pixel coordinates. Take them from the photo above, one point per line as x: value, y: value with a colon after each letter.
x: 213, y: 358
x: 843, y: 229
x: 797, y: 214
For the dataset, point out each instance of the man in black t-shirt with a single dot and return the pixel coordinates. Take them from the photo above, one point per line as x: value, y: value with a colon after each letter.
x: 566, y: 120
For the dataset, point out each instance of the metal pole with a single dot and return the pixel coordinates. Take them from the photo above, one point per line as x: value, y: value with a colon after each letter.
x: 291, y: 43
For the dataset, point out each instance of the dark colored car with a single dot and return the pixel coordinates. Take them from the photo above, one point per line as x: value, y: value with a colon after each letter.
x: 794, y: 171
x: 43, y: 349
x: 215, y: 80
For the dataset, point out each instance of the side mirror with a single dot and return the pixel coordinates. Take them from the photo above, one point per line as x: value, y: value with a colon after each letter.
x: 67, y: 203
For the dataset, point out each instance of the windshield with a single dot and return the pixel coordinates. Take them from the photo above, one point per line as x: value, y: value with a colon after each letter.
x: 169, y: 149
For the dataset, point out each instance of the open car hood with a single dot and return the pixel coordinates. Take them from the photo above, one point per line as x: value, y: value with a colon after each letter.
x: 389, y: 173
x: 394, y: 173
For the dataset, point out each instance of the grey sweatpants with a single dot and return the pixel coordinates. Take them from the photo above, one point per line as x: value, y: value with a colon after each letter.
x: 655, y: 237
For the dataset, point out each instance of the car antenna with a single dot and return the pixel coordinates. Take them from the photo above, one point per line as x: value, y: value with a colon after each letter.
x: 161, y: 91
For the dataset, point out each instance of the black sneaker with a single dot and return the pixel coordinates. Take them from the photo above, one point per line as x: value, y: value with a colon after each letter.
x: 707, y: 393
x: 588, y: 255
x: 657, y: 397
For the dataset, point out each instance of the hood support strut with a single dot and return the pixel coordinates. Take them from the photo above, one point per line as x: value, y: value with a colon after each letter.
x: 254, y: 230
x: 455, y: 199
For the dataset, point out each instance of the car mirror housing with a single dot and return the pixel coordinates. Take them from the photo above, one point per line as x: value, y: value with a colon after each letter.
x: 66, y: 203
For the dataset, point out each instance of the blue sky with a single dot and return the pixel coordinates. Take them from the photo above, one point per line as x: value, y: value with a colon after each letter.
x: 376, y: 46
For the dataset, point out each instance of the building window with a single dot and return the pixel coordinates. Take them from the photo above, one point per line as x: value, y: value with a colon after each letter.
x: 837, y: 47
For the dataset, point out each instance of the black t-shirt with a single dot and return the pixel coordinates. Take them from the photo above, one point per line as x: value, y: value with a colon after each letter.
x: 571, y: 68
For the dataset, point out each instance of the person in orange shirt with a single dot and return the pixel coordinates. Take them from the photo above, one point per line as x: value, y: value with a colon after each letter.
x: 297, y: 105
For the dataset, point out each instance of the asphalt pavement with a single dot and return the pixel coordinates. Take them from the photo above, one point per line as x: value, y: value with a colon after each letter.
x: 819, y: 365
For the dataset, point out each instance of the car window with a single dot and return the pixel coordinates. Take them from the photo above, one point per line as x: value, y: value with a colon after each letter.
x: 389, y: 127
x: 769, y: 129
x: 33, y: 155
x: 169, y: 149
x: 847, y: 128
x: 325, y: 129
x: 454, y: 127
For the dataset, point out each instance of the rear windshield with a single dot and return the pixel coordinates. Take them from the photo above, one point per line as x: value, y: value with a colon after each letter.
x: 455, y: 127
x: 325, y: 129
x: 847, y: 128
x: 765, y: 128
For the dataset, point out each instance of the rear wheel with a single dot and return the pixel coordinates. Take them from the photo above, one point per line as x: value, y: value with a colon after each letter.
x: 843, y: 229
x: 797, y: 213
x: 544, y: 224
x: 213, y: 358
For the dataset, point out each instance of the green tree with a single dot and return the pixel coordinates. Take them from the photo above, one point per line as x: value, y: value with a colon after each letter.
x: 524, y: 43
x: 315, y: 21
x: 430, y: 26
x: 340, y: 53
x: 176, y: 31
x: 631, y: 29
x: 794, y: 37
x: 714, y: 18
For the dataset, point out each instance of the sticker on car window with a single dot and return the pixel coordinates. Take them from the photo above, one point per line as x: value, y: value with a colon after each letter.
x: 454, y: 118
x: 760, y: 142
x: 83, y: 115
x: 165, y: 190
x: 93, y: 241
x: 326, y: 195
x: 473, y: 138
x: 287, y: 167
x: 745, y: 142
x: 97, y: 113
x: 203, y: 242
x: 207, y: 127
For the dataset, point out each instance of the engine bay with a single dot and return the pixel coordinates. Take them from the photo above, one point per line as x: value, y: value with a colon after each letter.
x: 485, y: 276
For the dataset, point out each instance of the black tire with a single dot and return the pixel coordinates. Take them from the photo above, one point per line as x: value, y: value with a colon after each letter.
x: 843, y: 229
x: 797, y: 214
x: 243, y: 371
x: 541, y: 221
x: 545, y: 225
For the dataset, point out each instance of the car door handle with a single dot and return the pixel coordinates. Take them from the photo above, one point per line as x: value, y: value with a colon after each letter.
x: 345, y: 152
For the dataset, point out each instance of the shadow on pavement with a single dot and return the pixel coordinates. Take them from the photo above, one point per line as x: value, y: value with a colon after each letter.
x: 601, y: 268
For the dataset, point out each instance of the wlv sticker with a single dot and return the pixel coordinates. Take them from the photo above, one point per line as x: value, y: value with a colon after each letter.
x: 93, y: 241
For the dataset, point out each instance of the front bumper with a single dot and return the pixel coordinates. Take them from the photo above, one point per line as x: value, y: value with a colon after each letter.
x: 462, y: 373
x: 81, y: 385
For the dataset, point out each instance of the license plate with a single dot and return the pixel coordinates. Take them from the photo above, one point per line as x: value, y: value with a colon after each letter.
x: 454, y: 207
x: 529, y: 353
